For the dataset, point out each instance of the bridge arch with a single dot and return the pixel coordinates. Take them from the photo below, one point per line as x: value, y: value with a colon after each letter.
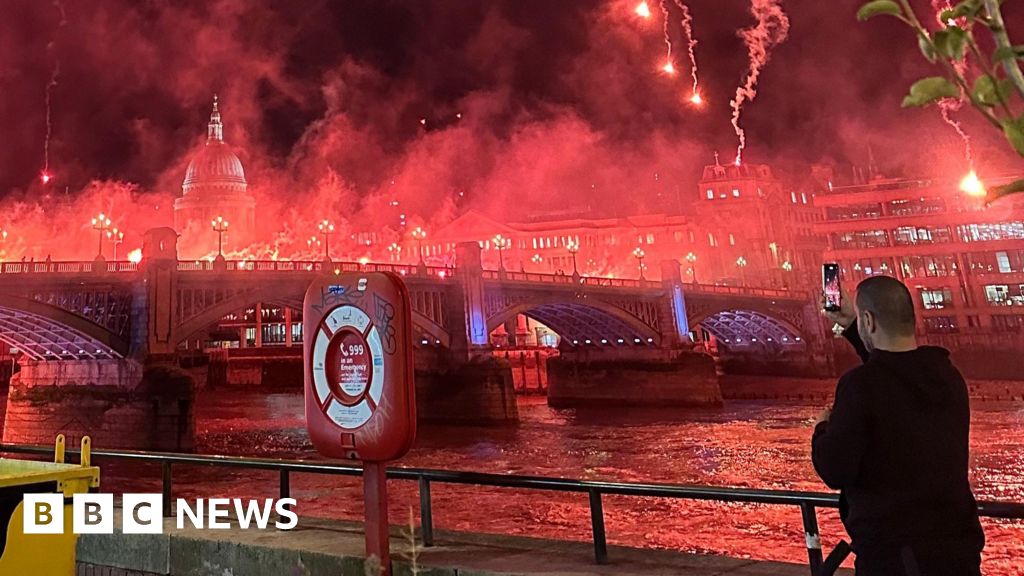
x: 580, y: 322
x: 424, y: 327
x: 739, y: 328
x: 45, y: 332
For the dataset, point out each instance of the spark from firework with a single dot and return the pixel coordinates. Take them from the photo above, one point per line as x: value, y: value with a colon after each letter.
x: 771, y: 29
x: 669, y: 67
x: 643, y: 10
x: 691, y: 45
x: 46, y: 175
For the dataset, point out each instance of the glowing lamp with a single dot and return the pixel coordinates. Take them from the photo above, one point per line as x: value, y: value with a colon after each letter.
x: 135, y: 256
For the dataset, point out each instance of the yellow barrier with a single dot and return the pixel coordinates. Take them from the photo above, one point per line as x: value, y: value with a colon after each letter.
x: 41, y: 554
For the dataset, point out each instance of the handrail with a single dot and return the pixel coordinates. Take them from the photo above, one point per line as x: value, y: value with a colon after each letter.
x: 808, y: 502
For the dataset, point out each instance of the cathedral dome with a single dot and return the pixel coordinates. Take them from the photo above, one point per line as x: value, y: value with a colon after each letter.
x: 215, y: 169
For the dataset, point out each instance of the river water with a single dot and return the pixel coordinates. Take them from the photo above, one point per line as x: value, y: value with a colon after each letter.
x: 745, y: 443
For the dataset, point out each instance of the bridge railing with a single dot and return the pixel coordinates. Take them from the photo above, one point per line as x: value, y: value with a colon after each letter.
x: 806, y: 502
x: 65, y: 267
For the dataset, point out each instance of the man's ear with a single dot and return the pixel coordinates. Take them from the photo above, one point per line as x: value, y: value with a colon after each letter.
x: 869, y: 322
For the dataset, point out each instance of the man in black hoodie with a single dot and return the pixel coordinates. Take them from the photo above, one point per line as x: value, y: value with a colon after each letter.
x: 896, y: 444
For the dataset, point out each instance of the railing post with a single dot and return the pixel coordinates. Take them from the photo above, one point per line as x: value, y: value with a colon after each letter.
x: 426, y: 514
x: 597, y: 522
x: 285, y: 485
x: 812, y: 536
x: 166, y: 469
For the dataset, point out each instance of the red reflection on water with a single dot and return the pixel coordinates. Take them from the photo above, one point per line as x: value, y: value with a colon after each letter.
x: 757, y: 445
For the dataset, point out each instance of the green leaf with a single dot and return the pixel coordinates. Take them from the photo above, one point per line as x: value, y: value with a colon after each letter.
x: 878, y: 7
x: 1008, y: 53
x: 950, y: 42
x: 925, y: 44
x: 998, y: 192
x: 928, y: 90
x: 991, y: 92
x: 1014, y: 130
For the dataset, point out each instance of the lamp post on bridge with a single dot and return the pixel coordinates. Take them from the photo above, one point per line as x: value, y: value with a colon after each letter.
x: 326, y: 228
x: 787, y: 267
x: 501, y: 244
x: 573, y: 247
x: 639, y: 254
x: 101, y: 224
x: 118, y: 237
x: 691, y: 258
x: 220, y: 226
x: 537, y: 259
x: 419, y: 235
x: 395, y: 250
x: 741, y: 262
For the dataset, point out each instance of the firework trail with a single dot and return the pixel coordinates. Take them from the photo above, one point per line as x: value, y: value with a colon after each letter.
x: 691, y: 44
x: 947, y: 106
x: 46, y: 176
x: 771, y: 29
x: 669, y: 68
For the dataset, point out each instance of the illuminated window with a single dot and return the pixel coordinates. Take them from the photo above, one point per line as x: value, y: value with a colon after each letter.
x: 937, y: 299
x: 803, y: 197
x: 736, y: 192
x: 650, y: 238
x: 792, y: 195
x: 732, y: 240
x: 677, y: 236
x: 1003, y: 262
x: 711, y: 194
x: 712, y: 241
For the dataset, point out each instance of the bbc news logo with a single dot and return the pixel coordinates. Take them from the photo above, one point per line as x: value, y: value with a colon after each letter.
x: 141, y: 514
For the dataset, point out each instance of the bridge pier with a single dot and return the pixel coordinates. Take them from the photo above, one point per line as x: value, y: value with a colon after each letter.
x: 643, y: 377
x: 118, y: 402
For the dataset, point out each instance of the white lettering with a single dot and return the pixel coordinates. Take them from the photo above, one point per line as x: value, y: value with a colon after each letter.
x: 218, y: 509
x: 184, y: 510
x: 252, y: 510
x: 283, y: 510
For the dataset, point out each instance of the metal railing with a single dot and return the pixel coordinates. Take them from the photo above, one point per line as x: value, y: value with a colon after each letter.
x: 807, y: 502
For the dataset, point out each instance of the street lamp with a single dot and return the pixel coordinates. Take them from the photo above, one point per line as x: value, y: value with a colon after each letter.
x: 101, y: 224
x: 787, y: 267
x: 691, y: 258
x: 537, y: 259
x: 395, y: 250
x: 419, y: 235
x: 118, y: 237
x: 326, y: 228
x: 573, y: 247
x: 742, y: 263
x: 501, y: 244
x: 313, y: 242
x: 220, y: 226
x: 639, y: 255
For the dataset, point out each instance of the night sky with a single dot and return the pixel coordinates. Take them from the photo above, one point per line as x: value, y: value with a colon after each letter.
x: 562, y: 101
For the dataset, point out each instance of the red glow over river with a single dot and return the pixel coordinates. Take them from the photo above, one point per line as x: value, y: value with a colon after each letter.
x: 748, y: 444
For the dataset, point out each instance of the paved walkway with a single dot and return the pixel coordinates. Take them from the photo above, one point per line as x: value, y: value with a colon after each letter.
x: 325, y: 547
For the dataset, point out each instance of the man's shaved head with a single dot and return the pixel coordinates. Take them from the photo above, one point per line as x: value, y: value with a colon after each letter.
x: 889, y: 302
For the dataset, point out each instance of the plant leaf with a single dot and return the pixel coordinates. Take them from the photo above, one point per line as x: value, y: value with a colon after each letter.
x: 1015, y: 187
x: 925, y: 44
x: 950, y: 42
x: 965, y: 8
x: 1014, y: 130
x: 877, y: 7
x: 1007, y: 53
x: 928, y: 90
x: 987, y: 91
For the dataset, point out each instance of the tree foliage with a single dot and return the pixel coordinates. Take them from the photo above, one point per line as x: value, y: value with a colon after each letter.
x: 991, y: 82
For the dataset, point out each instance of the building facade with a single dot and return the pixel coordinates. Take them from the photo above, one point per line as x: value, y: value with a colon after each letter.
x: 215, y: 186
x: 963, y: 261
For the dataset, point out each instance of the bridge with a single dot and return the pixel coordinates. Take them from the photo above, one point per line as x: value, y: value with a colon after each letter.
x: 105, y: 322
x: 57, y: 311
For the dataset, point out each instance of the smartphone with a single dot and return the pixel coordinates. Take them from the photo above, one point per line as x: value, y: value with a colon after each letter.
x: 830, y: 286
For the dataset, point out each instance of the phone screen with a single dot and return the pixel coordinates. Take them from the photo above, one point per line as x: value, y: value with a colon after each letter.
x: 830, y: 285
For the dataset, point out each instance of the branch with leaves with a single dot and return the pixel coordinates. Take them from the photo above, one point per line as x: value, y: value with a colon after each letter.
x: 991, y: 82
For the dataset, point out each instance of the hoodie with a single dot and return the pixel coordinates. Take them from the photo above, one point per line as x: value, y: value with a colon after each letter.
x: 896, y: 446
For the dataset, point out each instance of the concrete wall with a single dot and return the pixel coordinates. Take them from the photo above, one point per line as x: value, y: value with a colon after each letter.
x: 633, y: 378
x: 118, y: 403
